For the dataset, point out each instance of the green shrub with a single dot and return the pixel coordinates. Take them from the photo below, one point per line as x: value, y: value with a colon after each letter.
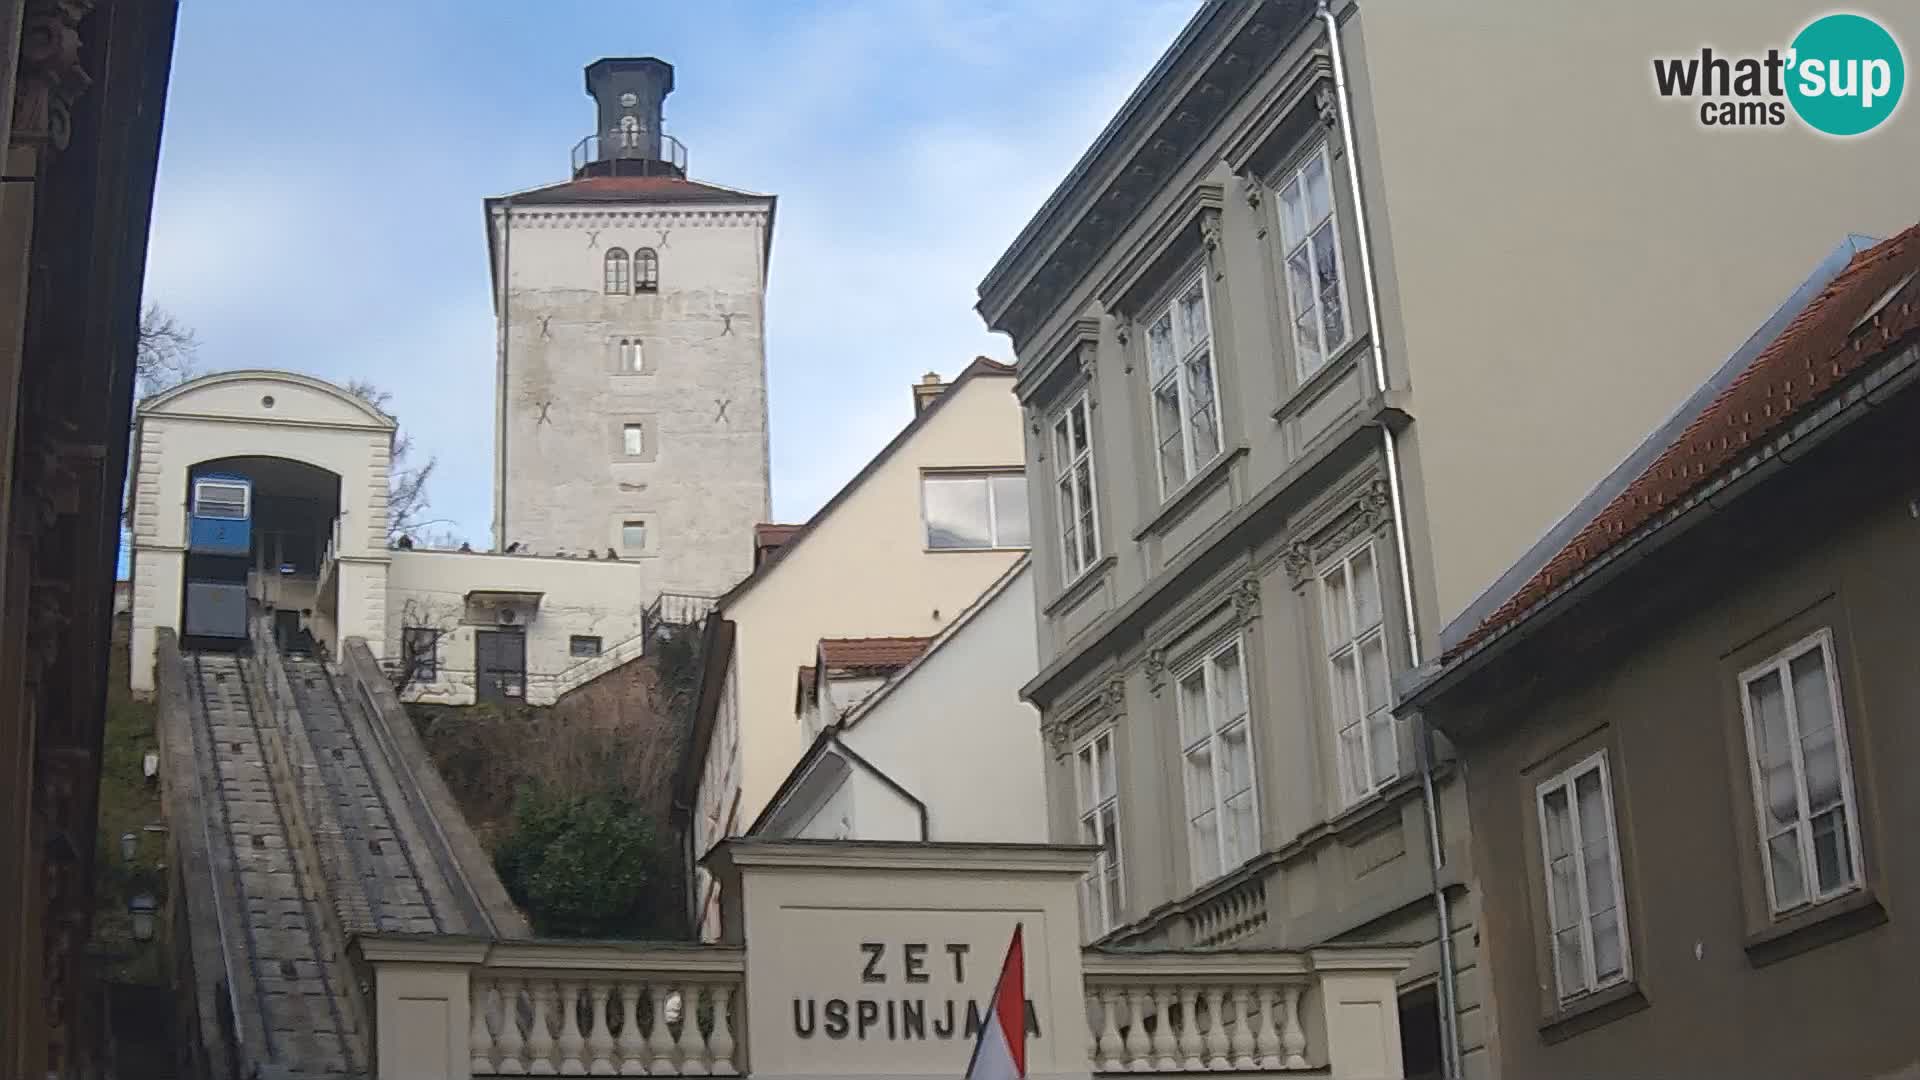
x: 589, y: 865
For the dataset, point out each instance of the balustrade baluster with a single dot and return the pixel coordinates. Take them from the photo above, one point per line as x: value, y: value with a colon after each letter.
x: 721, y: 1042
x: 539, y: 1035
x: 1266, y: 1041
x: 1137, y: 1059
x: 1095, y: 1012
x: 659, y: 1039
x: 1110, y: 1033
x: 1293, y: 1040
x: 1163, y: 1044
x: 1242, y: 1030
x: 479, y: 1039
x: 571, y: 1041
x: 1189, y: 1030
x: 512, y: 1047
x: 693, y: 1045
x: 1216, y: 1029
x: 600, y: 1043
x: 633, y: 1047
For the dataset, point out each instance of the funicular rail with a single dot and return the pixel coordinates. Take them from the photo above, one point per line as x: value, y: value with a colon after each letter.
x: 388, y: 870
x: 297, y: 980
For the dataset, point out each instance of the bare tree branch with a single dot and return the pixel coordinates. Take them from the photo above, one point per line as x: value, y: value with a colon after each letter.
x: 407, y: 501
x: 166, y: 352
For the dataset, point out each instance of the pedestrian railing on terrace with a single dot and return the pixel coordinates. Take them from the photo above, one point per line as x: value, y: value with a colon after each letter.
x: 676, y: 610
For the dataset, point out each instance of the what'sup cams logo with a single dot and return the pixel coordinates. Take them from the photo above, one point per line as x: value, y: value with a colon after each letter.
x: 1842, y: 75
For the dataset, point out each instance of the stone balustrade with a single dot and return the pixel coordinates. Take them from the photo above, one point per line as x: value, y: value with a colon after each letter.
x: 850, y: 928
x: 1198, y: 1011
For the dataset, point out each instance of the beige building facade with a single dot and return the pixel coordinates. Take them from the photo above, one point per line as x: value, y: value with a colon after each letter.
x: 902, y: 550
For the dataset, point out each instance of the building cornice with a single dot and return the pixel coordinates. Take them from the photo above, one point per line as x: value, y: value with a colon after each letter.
x: 1223, y: 50
x: 1071, y: 860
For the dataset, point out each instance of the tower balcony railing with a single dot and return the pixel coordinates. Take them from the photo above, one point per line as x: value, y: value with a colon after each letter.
x: 629, y: 153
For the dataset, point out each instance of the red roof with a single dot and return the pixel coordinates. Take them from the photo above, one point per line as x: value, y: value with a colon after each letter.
x: 873, y: 654
x: 631, y: 189
x: 1815, y: 352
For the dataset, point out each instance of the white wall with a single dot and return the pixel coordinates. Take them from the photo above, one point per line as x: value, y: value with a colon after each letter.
x: 701, y: 483
x: 954, y: 732
x: 263, y: 414
x: 426, y: 588
x: 863, y: 570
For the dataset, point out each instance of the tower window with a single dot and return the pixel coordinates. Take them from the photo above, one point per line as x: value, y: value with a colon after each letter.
x: 631, y: 360
x: 617, y: 271
x: 632, y: 439
x: 646, y: 271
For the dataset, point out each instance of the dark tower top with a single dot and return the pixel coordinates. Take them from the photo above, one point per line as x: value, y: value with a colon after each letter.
x: 628, y: 93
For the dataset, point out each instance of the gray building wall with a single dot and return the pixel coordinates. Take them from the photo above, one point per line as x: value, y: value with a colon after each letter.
x: 1187, y: 181
x: 1647, y: 670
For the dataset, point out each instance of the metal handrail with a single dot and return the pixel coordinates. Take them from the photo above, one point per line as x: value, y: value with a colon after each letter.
x: 630, y: 153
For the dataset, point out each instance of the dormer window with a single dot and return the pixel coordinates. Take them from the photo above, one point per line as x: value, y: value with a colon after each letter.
x: 646, y: 271
x: 617, y: 271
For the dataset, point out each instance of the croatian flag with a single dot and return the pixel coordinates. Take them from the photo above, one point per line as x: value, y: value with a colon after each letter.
x: 1001, y: 1053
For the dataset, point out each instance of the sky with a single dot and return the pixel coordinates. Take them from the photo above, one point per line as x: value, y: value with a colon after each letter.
x: 323, y: 165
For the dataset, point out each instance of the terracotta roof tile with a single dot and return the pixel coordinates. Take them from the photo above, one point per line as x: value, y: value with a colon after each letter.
x: 874, y: 654
x: 1818, y: 349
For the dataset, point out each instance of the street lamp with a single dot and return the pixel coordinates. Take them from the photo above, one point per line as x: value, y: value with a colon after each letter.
x: 141, y: 908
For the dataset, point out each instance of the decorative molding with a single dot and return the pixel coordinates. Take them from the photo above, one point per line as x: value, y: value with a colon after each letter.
x: 1299, y: 562
x: 50, y: 77
x: 524, y: 218
x: 1252, y: 190
x: 1210, y: 227
x: 1375, y: 503
x: 1325, y: 101
x: 1059, y: 738
x: 1156, y: 669
x: 1113, y: 697
x: 1246, y: 600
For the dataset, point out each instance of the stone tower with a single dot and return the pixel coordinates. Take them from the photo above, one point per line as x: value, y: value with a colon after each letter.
x: 630, y: 397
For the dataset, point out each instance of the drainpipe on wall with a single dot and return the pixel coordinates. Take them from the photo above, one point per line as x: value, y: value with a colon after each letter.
x: 500, y: 379
x: 1449, y: 1018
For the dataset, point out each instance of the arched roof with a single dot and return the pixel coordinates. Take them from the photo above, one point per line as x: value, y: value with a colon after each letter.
x: 263, y: 395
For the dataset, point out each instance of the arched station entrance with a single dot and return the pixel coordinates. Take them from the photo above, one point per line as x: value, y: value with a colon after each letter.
x: 257, y: 492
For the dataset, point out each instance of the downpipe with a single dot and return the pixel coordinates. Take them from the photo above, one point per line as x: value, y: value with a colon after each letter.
x: 1390, y: 449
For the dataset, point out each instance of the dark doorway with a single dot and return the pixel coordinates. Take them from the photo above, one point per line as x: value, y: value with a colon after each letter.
x: 500, y: 664
x: 286, y: 629
x: 1420, y: 1034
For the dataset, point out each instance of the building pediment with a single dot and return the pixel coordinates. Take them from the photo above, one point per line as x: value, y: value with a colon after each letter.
x: 266, y: 397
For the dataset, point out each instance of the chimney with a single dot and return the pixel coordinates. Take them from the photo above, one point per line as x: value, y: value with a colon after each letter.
x: 628, y: 93
x: 924, y: 391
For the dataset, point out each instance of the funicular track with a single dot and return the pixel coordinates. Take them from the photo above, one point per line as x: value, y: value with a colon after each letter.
x: 299, y: 983
x: 382, y: 858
